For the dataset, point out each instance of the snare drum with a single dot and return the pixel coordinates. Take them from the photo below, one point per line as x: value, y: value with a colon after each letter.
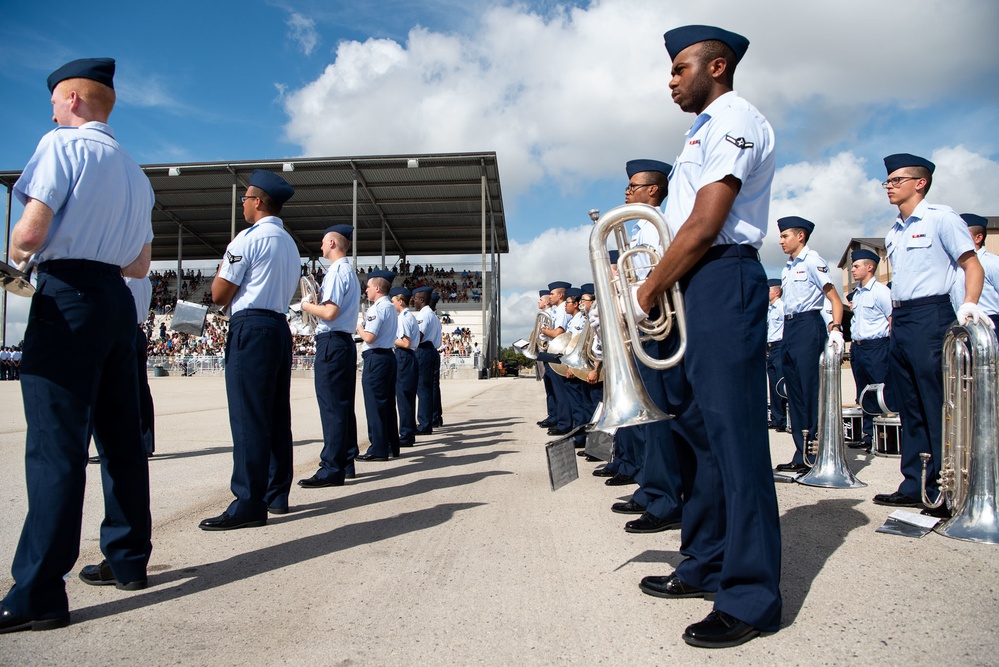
x: 887, y: 436
x: 853, y: 424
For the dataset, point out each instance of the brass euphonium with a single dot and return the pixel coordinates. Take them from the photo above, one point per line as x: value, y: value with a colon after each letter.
x: 535, y: 343
x: 626, y: 403
x: 969, y: 470
x: 830, y: 468
x: 579, y: 356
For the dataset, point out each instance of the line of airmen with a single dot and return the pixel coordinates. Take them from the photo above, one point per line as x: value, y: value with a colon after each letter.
x: 707, y: 471
x: 80, y: 176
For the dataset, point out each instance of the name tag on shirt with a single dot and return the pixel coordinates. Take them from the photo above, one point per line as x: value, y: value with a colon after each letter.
x: 800, y: 275
x: 920, y: 241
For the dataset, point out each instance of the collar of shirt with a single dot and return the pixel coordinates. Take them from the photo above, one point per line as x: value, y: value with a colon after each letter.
x: 717, y: 105
x: 100, y: 127
x: 800, y: 258
x: 917, y: 214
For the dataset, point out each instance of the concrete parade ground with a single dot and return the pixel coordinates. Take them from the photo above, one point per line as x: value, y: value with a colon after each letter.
x: 459, y: 553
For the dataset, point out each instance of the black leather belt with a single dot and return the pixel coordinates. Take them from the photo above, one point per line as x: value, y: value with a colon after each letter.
x: 57, y: 265
x: 868, y: 341
x: 808, y: 313
x: 922, y: 301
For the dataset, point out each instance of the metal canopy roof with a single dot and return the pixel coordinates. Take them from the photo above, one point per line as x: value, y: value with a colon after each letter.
x: 428, y: 204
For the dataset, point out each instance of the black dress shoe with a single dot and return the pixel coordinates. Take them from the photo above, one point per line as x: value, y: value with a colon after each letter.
x: 650, y: 523
x: 407, y: 444
x: 546, y: 423
x: 438, y: 424
x: 350, y: 473
x: 603, y: 472
x: 315, y: 482
x: 671, y: 587
x: 555, y: 431
x: 101, y: 575
x: 11, y: 622
x: 620, y: 480
x: 225, y: 522
x: 94, y: 459
x: 370, y: 457
x: 719, y: 630
x: 939, y: 512
x: 630, y: 507
x: 429, y: 431
x: 792, y: 467
x: 277, y: 509
x: 590, y: 459
x: 896, y: 500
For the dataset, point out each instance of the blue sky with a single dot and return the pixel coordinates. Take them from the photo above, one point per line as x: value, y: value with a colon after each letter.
x: 564, y: 92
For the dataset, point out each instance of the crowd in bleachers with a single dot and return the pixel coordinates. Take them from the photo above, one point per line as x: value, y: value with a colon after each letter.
x: 165, y: 289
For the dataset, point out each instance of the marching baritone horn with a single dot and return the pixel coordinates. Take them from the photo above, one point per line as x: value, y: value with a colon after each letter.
x: 830, y: 468
x: 535, y: 344
x: 626, y: 402
x: 969, y: 468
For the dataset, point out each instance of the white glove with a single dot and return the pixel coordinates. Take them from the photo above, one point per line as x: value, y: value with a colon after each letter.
x: 295, y: 308
x: 837, y: 339
x: 971, y: 312
x: 305, y: 300
x: 639, y: 313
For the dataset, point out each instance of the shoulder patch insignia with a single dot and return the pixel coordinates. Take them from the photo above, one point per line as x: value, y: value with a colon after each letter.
x: 823, y: 268
x: 739, y: 143
x: 372, y: 318
x: 232, y: 258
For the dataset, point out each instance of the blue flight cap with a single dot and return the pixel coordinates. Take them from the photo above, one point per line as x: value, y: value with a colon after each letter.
x: 434, y: 298
x: 428, y: 289
x: 899, y: 160
x: 573, y: 293
x: 543, y: 292
x: 773, y: 282
x: 387, y: 275
x: 559, y: 284
x: 272, y: 184
x: 100, y: 70
x: 792, y: 221
x: 678, y: 39
x: 973, y: 220
x: 637, y: 166
x: 863, y: 253
x: 587, y: 288
x: 614, y: 254
x: 343, y: 230
x: 400, y: 291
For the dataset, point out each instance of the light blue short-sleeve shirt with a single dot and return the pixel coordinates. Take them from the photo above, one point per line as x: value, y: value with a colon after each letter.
x: 775, y: 321
x: 101, y: 200
x: 871, y: 311
x: 381, y: 320
x: 263, y: 262
x: 924, y: 249
x: 142, y: 294
x: 408, y: 328
x: 802, y: 281
x: 729, y: 138
x: 340, y: 287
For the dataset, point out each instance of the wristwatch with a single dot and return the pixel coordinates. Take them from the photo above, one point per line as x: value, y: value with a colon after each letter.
x: 837, y: 327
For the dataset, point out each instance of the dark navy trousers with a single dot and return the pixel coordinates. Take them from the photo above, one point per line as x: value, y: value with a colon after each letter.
x: 378, y: 386
x: 258, y: 387
x: 660, y: 490
x: 917, y: 336
x: 438, y: 417
x: 563, y: 406
x: 730, y: 537
x: 775, y: 371
x: 78, y: 379
x: 407, y: 381
x: 805, y: 336
x: 147, y: 420
x: 552, y: 415
x: 870, y: 361
x: 426, y: 358
x: 336, y: 383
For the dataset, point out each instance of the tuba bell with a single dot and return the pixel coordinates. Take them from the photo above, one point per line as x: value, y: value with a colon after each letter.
x: 535, y: 343
x: 830, y: 469
x: 626, y: 403
x: 969, y: 470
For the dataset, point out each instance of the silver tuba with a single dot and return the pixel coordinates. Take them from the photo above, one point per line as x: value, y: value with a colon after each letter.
x: 829, y: 469
x: 535, y: 344
x: 626, y: 403
x: 969, y: 470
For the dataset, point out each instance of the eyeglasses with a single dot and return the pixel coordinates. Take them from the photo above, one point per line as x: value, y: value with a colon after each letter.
x: 894, y: 182
x: 243, y: 199
x: 634, y: 186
